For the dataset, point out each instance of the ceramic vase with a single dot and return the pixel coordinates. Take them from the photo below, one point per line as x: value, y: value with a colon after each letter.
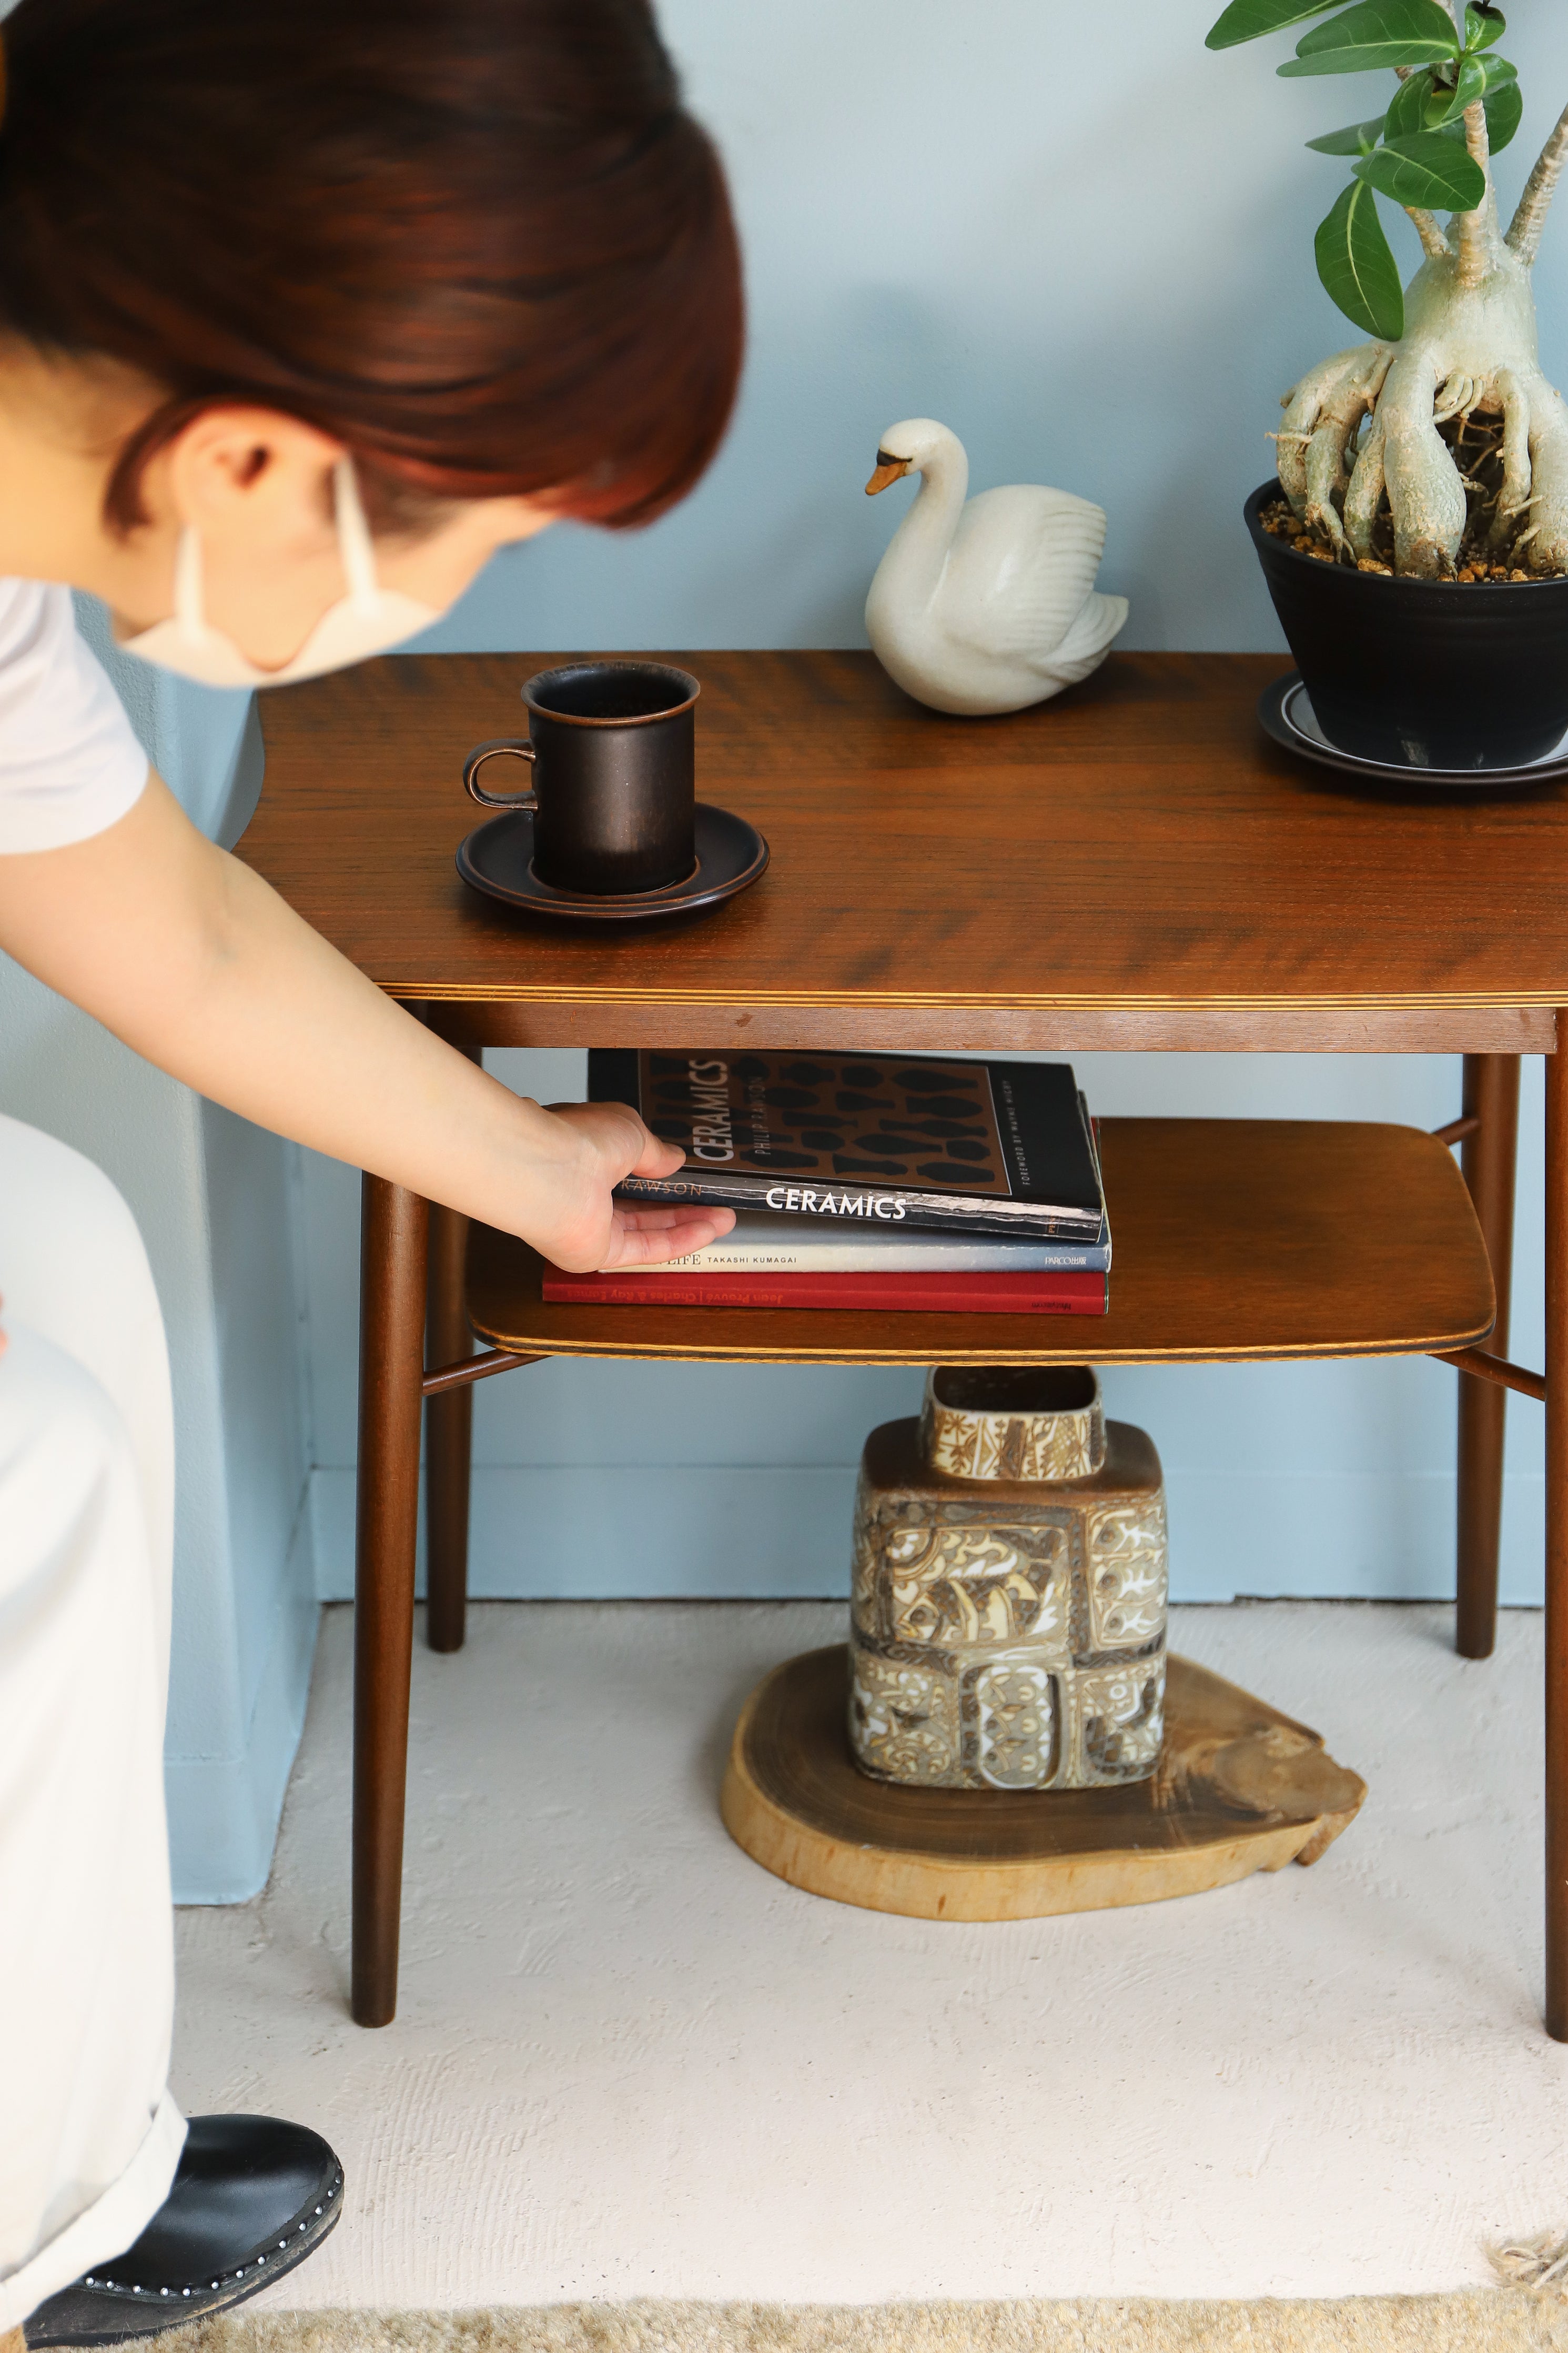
x: 1009, y: 1614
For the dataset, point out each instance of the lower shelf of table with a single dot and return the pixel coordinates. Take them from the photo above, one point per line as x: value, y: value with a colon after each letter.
x: 1239, y: 1788
x: 1234, y: 1240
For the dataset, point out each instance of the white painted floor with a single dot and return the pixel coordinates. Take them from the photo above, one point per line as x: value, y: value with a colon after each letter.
x: 629, y: 2063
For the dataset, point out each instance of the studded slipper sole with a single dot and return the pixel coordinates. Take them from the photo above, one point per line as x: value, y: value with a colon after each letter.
x: 106, y: 2308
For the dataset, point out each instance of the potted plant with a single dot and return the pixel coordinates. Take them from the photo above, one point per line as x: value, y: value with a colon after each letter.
x: 1415, y: 544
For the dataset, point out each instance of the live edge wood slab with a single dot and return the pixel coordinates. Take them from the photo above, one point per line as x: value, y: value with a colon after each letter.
x: 1239, y: 1788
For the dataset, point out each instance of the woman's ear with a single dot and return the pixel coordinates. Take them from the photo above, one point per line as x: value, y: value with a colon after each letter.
x: 249, y: 479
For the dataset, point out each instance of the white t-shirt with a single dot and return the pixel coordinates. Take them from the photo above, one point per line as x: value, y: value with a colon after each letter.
x: 69, y: 761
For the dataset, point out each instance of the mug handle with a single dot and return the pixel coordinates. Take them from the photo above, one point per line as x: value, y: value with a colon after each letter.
x: 476, y: 761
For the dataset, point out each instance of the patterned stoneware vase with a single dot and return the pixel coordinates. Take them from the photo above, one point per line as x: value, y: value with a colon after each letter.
x: 1008, y: 1621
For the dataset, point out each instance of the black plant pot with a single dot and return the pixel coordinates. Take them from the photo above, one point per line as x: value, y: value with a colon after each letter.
x: 1422, y: 673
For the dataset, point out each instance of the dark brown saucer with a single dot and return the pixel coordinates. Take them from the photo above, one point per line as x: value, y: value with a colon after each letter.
x: 1285, y: 712
x: 498, y: 859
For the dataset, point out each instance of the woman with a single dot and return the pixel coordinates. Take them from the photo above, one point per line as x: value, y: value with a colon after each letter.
x: 270, y: 272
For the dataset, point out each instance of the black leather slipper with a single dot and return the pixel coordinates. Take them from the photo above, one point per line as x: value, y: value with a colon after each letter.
x: 252, y: 2197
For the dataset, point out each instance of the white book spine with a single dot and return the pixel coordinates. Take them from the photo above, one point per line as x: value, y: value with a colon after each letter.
x: 779, y: 1246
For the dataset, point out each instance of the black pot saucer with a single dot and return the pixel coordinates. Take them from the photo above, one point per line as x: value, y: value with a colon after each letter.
x: 1285, y: 713
x: 496, y: 858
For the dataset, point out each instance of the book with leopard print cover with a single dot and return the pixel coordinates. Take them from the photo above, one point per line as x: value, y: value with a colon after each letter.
x: 998, y: 1148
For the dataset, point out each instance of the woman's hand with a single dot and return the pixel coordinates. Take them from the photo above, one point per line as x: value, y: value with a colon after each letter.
x: 589, y: 1230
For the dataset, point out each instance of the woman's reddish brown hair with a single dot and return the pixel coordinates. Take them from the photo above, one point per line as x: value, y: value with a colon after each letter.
x: 478, y: 241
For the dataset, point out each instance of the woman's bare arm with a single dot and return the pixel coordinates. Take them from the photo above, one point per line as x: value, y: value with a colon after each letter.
x: 197, y: 963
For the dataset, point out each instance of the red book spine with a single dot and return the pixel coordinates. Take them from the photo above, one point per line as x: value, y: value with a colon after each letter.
x: 952, y: 1293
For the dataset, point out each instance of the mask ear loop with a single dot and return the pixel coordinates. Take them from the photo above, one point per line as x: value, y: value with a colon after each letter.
x: 190, y: 606
x: 357, y: 549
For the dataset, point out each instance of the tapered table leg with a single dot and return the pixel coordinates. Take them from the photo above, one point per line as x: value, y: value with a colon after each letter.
x: 392, y: 1333
x: 1488, y: 1158
x: 448, y: 1418
x: 1557, y: 1535
x: 448, y: 1437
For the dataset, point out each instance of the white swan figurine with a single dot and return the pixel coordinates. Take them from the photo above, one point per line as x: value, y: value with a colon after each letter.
x: 990, y: 606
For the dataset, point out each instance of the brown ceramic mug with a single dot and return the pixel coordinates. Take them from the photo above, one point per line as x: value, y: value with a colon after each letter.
x: 613, y: 748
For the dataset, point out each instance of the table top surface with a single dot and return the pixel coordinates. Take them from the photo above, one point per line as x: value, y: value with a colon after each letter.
x: 1138, y: 844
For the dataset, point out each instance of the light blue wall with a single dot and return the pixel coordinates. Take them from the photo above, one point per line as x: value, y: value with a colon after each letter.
x: 1074, y: 235
x: 1086, y: 244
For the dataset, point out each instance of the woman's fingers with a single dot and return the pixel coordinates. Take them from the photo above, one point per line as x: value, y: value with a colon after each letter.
x: 650, y: 1221
x: 634, y: 1242
x: 596, y: 1230
x: 656, y: 1158
x: 625, y: 1145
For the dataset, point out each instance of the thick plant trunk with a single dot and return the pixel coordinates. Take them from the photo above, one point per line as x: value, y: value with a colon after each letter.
x: 1366, y: 423
x: 1468, y: 349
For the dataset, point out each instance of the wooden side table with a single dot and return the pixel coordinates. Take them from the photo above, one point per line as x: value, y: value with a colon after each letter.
x: 1132, y: 868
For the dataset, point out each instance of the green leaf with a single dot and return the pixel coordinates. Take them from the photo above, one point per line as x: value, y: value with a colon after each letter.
x: 1422, y: 103
x: 1428, y: 169
x: 1249, y: 20
x: 1475, y: 78
x: 1483, y: 26
x: 1505, y: 112
x: 1377, y: 33
x: 1356, y: 139
x: 1450, y: 99
x: 1408, y: 109
x: 1357, y: 268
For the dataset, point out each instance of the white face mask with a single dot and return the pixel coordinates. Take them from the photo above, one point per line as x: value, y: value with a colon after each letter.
x: 366, y: 621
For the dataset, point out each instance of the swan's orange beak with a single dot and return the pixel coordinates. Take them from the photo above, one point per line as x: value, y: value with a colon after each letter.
x: 889, y: 469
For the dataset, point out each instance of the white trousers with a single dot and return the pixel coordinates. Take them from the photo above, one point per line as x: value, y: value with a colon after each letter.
x: 89, y: 2136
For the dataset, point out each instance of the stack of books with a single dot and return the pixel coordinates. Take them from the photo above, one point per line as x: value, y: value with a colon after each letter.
x: 870, y: 1181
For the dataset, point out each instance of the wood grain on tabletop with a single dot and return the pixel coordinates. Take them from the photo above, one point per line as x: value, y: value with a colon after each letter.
x: 1232, y: 1238
x: 1136, y: 844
